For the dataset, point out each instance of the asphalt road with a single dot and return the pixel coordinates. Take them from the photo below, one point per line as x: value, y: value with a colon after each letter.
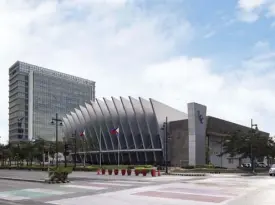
x: 221, y: 189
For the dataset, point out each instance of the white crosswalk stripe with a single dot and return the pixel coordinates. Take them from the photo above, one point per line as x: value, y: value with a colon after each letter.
x: 131, y: 182
x: 114, y: 183
x: 11, y: 197
x: 64, y: 189
x: 82, y: 187
x: 47, y: 191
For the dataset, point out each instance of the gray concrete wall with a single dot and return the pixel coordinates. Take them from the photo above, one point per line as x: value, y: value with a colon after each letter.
x: 178, y: 143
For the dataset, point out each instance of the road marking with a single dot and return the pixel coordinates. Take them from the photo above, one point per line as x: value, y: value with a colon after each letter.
x: 103, y: 184
x: 47, y: 191
x: 181, y: 196
x: 8, y: 196
x: 131, y: 182
x: 82, y: 187
x: 198, y: 191
x: 29, y: 194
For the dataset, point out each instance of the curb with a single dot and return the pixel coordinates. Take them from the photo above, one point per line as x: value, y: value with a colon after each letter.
x: 205, y: 173
x: 56, y: 182
x: 188, y: 174
x: 143, y: 179
x: 253, y: 175
x: 32, y: 180
x: 22, y: 180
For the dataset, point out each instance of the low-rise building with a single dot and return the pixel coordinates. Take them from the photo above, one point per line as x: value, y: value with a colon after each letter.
x: 135, y: 131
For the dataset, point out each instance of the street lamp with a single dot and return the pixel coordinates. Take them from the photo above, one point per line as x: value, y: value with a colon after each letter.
x: 20, y: 129
x: 165, y: 129
x: 253, y: 127
x: 57, y: 122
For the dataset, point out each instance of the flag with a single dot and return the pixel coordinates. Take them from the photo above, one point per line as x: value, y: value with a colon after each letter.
x: 115, y: 131
x: 83, y: 134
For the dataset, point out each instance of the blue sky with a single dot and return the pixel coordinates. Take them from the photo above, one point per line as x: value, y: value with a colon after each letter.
x: 216, y: 52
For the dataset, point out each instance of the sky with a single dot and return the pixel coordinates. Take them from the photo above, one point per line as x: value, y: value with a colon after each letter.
x: 217, y: 53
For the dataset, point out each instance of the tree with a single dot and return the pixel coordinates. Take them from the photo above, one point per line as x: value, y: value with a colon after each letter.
x: 251, y: 144
x: 270, y: 150
x: 29, y: 151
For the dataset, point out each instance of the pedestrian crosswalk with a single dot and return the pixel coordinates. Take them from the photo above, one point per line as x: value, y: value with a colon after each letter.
x: 66, y: 189
x: 172, y: 193
x: 25, y: 194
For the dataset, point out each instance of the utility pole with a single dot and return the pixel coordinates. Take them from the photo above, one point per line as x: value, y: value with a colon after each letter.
x: 166, y: 145
x: 254, y: 127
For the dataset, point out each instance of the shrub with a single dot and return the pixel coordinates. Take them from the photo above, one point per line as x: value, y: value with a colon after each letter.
x: 129, y: 172
x: 60, y: 174
x: 142, y: 169
x: 188, y: 167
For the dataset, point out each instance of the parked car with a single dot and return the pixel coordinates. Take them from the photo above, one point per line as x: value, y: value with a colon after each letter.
x: 261, y: 164
x: 246, y: 165
x: 272, y: 170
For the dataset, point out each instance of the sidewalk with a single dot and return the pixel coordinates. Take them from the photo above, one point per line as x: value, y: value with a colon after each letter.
x: 40, y: 176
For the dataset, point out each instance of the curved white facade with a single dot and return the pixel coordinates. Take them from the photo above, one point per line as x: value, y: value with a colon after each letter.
x: 140, y: 139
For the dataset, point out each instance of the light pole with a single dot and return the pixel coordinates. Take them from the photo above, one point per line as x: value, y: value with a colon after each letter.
x: 57, y: 122
x: 20, y: 121
x: 253, y: 127
x: 75, y: 146
x: 165, y: 129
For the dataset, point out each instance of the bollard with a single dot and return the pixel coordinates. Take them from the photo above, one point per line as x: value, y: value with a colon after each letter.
x: 158, y: 173
x: 153, y: 172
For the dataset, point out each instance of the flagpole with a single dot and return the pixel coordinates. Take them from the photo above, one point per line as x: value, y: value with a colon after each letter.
x: 100, y: 147
x: 83, y: 135
x: 84, y: 163
x: 118, y: 146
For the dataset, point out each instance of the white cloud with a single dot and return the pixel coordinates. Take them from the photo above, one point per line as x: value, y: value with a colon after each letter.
x: 271, y: 10
x: 130, y: 51
x: 261, y: 47
x: 238, y: 95
x: 248, y: 16
x: 251, y: 10
x: 209, y: 34
x: 109, y: 42
x: 249, y: 5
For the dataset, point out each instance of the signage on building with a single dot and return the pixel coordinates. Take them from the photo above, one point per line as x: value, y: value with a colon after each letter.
x: 200, y: 117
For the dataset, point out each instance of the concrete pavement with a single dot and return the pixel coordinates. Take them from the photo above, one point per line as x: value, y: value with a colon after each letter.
x: 166, y: 190
x: 220, y: 190
x: 79, y: 176
x: 35, y: 193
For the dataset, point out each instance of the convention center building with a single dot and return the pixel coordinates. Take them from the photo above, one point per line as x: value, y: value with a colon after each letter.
x: 139, y: 131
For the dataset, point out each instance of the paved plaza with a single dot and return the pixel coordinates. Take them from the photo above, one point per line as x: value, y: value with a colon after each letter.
x: 125, y: 190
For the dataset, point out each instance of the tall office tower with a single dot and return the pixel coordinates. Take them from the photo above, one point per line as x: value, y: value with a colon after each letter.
x: 36, y: 94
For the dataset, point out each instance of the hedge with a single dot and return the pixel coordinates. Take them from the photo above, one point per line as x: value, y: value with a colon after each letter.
x: 142, y: 169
